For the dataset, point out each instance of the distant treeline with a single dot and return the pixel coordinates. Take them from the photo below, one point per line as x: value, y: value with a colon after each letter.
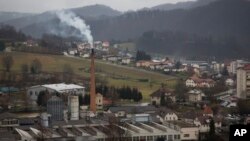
x: 190, y: 45
x: 9, y: 33
x: 125, y: 92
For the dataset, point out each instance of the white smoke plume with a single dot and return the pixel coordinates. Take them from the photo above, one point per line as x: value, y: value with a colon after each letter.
x: 69, y: 18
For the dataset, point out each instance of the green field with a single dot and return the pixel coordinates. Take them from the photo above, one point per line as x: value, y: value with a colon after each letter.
x: 118, y: 76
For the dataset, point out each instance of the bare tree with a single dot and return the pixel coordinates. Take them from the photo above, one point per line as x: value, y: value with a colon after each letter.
x: 36, y: 66
x: 7, y: 62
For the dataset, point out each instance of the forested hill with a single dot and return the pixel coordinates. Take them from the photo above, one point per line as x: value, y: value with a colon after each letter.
x: 219, y: 18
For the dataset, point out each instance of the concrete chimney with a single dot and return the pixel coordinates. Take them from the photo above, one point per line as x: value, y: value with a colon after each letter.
x: 92, y: 83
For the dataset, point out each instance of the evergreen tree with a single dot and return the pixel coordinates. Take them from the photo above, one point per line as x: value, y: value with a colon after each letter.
x: 2, y: 46
x: 81, y: 100
x: 163, y: 100
x: 42, y: 99
x: 86, y: 99
x: 180, y: 90
x: 141, y: 55
x: 211, y: 130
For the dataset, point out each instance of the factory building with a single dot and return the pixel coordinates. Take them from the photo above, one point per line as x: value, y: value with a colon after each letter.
x: 73, y: 107
x: 60, y: 88
x: 138, y: 131
x: 55, y: 107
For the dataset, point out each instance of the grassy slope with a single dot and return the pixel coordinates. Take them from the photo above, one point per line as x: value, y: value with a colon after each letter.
x: 116, y: 75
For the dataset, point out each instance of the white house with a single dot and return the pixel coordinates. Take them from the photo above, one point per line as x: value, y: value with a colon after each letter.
x: 188, y: 131
x: 203, y: 123
x: 194, y: 81
x: 229, y: 82
x: 167, y: 93
x: 167, y: 115
x: 60, y: 88
x: 195, y: 95
x: 72, y: 51
x: 126, y: 60
x: 99, y: 101
x: 190, y: 83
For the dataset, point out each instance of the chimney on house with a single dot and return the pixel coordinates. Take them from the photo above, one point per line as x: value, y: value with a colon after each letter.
x: 92, y: 82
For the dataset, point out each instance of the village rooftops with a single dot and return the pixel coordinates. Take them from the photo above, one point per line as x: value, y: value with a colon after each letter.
x: 246, y: 67
x: 133, y: 109
x: 200, y: 80
x: 62, y: 86
x: 206, y: 119
x: 207, y: 110
x: 7, y: 115
x: 181, y: 124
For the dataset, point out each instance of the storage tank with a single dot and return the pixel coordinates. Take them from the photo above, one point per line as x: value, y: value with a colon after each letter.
x: 55, y: 107
x: 44, y: 119
x: 73, y: 106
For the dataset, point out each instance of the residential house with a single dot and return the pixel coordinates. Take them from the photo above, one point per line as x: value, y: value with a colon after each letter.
x: 207, y: 111
x: 105, y: 44
x: 72, y: 51
x: 126, y: 60
x: 166, y: 114
x: 112, y: 58
x: 8, y: 121
x: 143, y: 63
x: 195, y: 95
x: 168, y: 94
x: 203, y: 123
x: 195, y: 81
x: 99, y: 101
x: 189, y: 132
x: 229, y: 82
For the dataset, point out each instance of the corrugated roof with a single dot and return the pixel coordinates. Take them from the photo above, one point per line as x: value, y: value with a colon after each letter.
x: 132, y: 109
x: 62, y: 86
x: 161, y: 91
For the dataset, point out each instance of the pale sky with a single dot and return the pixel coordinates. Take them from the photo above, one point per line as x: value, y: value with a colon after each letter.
x: 38, y: 6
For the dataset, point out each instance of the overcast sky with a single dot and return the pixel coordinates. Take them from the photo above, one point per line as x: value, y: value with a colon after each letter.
x: 38, y: 6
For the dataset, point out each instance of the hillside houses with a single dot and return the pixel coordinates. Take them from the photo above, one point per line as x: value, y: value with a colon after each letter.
x: 196, y: 82
x: 154, y: 65
x: 195, y: 95
x: 166, y: 114
x: 168, y: 94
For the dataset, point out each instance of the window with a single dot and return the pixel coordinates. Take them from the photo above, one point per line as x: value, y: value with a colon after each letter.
x: 178, y: 136
x: 186, y: 135
x: 30, y: 93
x: 149, y: 138
x: 170, y: 137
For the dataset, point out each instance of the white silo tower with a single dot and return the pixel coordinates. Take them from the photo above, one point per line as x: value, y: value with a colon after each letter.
x: 73, y: 106
x: 45, y: 119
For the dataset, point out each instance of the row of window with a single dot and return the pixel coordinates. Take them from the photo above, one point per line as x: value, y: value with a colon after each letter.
x: 9, y: 122
x: 151, y: 138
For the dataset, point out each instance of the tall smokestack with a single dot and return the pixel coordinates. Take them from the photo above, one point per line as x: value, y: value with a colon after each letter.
x: 92, y: 82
